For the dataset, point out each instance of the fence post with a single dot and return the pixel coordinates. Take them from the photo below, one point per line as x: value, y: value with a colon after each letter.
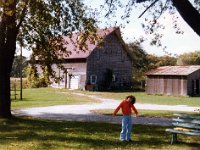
x: 15, y: 92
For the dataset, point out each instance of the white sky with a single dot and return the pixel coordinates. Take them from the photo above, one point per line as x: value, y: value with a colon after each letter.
x: 176, y: 44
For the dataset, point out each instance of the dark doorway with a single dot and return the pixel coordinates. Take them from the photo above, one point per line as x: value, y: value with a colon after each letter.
x: 195, y: 87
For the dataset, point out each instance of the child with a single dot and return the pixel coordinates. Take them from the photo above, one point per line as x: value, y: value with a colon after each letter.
x: 126, y: 106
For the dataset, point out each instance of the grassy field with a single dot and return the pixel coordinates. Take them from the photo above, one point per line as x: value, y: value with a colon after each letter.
x: 50, y: 96
x: 142, y: 97
x: 47, y: 97
x: 34, y: 134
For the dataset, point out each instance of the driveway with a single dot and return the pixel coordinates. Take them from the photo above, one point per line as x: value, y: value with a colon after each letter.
x: 83, y: 112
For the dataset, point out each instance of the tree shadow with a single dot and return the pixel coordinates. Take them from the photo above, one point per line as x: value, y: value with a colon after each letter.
x: 82, y: 135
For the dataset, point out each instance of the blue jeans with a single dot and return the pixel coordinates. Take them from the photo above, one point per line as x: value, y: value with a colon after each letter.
x: 126, y: 128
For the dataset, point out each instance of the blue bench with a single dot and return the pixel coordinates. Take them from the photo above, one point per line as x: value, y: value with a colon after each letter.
x: 187, y: 124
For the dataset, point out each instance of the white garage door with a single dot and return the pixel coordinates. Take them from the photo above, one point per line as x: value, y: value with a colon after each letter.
x: 74, y: 82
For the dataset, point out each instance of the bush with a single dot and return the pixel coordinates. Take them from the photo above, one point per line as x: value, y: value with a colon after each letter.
x: 35, y: 80
x: 37, y: 83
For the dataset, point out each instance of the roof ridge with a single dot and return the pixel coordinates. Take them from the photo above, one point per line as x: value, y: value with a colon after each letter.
x: 174, y: 70
x: 73, y: 43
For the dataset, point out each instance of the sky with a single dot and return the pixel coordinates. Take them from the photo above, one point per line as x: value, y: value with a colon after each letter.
x: 176, y: 44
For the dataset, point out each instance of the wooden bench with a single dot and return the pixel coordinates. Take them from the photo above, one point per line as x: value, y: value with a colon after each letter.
x: 184, y: 124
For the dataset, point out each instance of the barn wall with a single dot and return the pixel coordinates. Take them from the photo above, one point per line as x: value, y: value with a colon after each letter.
x: 150, y: 85
x: 155, y: 85
x: 167, y: 85
x: 111, y: 55
x: 73, y: 69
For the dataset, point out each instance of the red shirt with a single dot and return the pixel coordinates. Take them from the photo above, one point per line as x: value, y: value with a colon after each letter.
x: 126, y: 107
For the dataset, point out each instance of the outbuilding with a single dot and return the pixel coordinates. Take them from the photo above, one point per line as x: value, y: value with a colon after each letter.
x: 174, y: 80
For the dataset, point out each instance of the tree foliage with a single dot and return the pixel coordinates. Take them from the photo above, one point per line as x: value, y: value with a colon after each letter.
x: 157, y: 61
x: 139, y: 57
x: 45, y: 25
x: 142, y: 62
x: 16, y: 67
x: 192, y: 58
x: 37, y: 25
x: 189, y: 10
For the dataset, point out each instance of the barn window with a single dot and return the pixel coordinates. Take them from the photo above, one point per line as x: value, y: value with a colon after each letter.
x: 93, y: 79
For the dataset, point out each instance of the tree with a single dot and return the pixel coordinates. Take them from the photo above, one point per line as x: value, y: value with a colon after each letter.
x: 140, y: 63
x: 38, y: 25
x: 156, y: 61
x: 188, y: 10
x: 17, y: 65
x: 192, y: 58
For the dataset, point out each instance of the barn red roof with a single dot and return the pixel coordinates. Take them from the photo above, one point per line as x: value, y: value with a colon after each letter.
x: 74, y: 49
x: 174, y: 70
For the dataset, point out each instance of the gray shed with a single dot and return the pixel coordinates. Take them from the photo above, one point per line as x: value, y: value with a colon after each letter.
x: 174, y: 80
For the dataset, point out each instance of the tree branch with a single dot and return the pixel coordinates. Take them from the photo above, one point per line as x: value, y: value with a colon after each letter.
x: 23, y: 14
x: 147, y: 8
x: 188, y: 13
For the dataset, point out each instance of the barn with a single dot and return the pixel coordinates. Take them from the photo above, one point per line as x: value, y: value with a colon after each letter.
x: 174, y: 80
x: 105, y: 64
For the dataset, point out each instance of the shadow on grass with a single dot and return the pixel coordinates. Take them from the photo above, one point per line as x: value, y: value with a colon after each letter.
x: 22, y: 100
x: 48, y: 134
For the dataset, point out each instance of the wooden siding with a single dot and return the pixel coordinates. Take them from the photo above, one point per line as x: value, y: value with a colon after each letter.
x: 167, y: 85
x: 177, y: 80
x: 74, y: 69
x: 111, y: 55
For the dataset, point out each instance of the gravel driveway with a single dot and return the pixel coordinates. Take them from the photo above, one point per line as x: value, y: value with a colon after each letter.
x: 83, y: 112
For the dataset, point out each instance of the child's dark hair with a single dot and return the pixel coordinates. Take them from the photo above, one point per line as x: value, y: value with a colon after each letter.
x: 133, y: 99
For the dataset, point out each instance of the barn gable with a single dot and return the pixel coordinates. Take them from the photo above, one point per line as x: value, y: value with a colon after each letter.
x: 87, y: 68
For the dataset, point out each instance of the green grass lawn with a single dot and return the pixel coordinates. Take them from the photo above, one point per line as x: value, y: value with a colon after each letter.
x: 47, y: 97
x: 35, y: 134
x: 142, y: 97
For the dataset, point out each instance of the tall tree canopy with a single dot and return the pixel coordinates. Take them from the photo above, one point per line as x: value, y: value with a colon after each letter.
x: 39, y: 25
x: 18, y: 65
x: 140, y: 62
x: 192, y: 58
x: 189, y: 10
x: 157, y: 61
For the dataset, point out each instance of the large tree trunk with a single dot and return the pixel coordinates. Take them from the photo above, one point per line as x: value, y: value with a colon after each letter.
x: 7, y: 50
x: 5, y: 103
x: 188, y: 13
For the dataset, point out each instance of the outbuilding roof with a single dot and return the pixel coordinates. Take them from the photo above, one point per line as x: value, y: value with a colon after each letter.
x: 75, y: 51
x: 174, y: 70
